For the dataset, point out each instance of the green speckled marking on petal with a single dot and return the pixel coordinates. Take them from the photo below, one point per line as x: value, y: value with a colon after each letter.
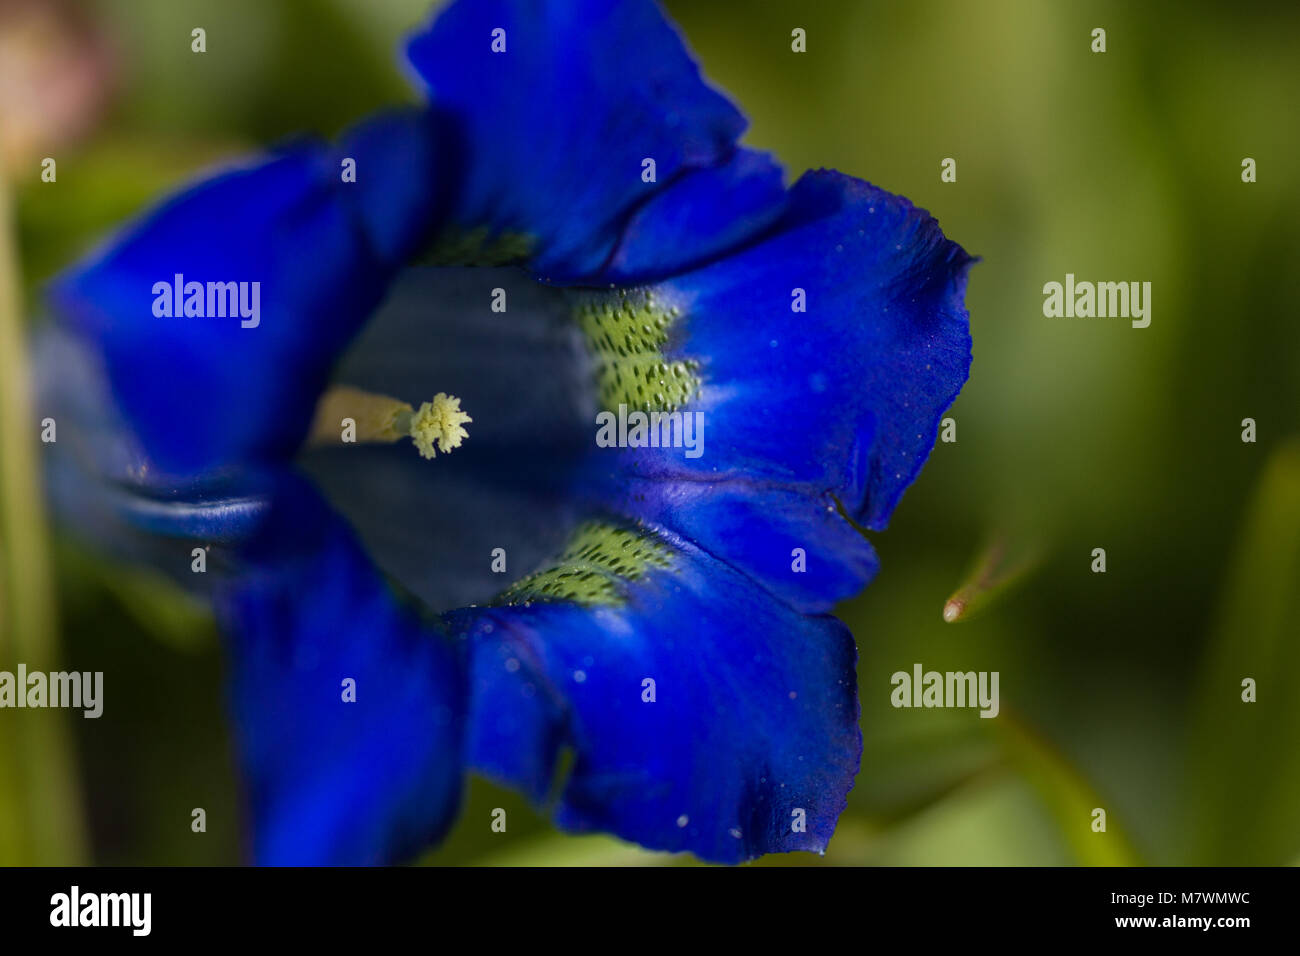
x: 598, y: 559
x: 458, y: 246
x: 626, y: 331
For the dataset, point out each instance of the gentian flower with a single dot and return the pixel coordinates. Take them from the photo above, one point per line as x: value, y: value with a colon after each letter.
x: 568, y: 228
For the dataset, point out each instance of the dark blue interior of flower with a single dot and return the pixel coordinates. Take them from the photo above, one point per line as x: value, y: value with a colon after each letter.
x: 523, y: 375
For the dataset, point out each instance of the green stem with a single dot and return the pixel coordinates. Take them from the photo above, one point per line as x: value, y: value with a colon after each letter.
x: 39, y: 775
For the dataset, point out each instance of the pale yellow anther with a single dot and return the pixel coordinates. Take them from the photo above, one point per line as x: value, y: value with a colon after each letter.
x: 346, y: 415
x: 439, y: 421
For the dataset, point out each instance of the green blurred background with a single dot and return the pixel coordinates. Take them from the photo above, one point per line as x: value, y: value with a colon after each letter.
x: 1119, y: 690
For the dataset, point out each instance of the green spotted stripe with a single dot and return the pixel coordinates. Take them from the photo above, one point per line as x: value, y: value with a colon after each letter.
x: 598, y: 560
x: 626, y: 331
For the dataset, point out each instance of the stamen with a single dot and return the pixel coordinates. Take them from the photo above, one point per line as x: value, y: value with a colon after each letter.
x: 345, y: 415
x: 439, y: 421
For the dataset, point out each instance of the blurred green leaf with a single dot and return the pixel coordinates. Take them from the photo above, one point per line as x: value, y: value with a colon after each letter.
x: 1244, y: 780
x: 912, y: 764
x: 48, y: 824
x: 1067, y: 794
x: 994, y: 820
x: 157, y: 604
x: 565, y: 850
x: 12, y: 849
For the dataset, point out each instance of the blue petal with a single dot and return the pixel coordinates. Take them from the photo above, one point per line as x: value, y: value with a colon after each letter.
x: 793, y: 543
x: 400, y: 194
x: 102, y: 483
x: 847, y: 396
x: 335, y: 782
x: 838, y: 405
x: 753, y: 727
x: 700, y: 216
x: 202, y: 393
x: 554, y: 130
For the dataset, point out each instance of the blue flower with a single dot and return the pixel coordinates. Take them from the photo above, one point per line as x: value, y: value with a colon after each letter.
x: 568, y: 234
